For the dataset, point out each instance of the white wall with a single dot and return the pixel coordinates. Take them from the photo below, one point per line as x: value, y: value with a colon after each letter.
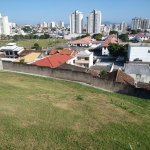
x: 143, y: 53
x: 91, y: 60
x: 141, y: 78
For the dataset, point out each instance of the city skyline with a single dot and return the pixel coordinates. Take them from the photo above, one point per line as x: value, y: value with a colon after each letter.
x: 33, y: 12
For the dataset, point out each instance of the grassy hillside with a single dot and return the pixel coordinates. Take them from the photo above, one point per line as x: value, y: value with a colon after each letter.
x: 41, y: 113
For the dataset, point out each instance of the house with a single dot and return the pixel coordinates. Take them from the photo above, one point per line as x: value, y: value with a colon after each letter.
x: 11, y: 50
x: 99, y: 66
x: 84, y: 42
x: 53, y: 61
x: 26, y: 52
x: 120, y: 77
x: 101, y: 47
x: 84, y: 59
x: 111, y: 36
x: 140, y: 72
x: 29, y: 58
x: 64, y: 52
x: 139, y: 52
x: 138, y: 37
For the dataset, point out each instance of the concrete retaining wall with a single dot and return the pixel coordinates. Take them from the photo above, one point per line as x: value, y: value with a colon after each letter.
x: 76, y: 76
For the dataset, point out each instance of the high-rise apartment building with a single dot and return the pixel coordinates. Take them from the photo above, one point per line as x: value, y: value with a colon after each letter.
x: 61, y: 24
x: 145, y: 24
x: 136, y: 23
x: 123, y: 26
x: 53, y: 25
x: 76, y: 22
x: 94, y: 22
x: 4, y: 25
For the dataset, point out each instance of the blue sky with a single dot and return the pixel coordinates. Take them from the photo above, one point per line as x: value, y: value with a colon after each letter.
x: 35, y: 11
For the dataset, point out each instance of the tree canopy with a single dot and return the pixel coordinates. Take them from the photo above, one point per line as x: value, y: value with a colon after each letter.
x: 117, y: 50
x: 134, y: 32
x: 26, y: 29
x: 113, y: 32
x: 98, y: 36
x: 123, y: 37
x: 36, y: 46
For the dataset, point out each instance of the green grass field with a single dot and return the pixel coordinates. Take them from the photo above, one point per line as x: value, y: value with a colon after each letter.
x: 42, y: 114
x: 29, y: 43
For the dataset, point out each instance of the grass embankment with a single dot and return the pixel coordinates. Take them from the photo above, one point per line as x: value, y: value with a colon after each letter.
x: 29, y: 43
x: 41, y: 113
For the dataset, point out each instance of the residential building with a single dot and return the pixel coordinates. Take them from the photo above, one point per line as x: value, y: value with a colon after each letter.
x: 94, y: 22
x: 140, y: 72
x: 52, y: 24
x: 123, y: 26
x: 11, y: 50
x: 61, y: 24
x: 145, y: 24
x: 84, y: 42
x: 114, y: 26
x: 5, y: 27
x: 136, y: 23
x: 138, y: 37
x: 45, y: 25
x: 53, y: 61
x: 139, y: 52
x: 76, y: 22
x: 120, y: 77
x: 64, y: 52
x: 100, y: 66
x: 29, y: 58
x: 105, y: 29
x: 84, y: 59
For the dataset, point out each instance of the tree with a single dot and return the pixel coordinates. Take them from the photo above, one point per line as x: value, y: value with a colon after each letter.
x: 113, y: 32
x: 133, y: 32
x: 98, y: 36
x: 117, y: 50
x: 123, y: 37
x: 26, y: 29
x: 36, y: 46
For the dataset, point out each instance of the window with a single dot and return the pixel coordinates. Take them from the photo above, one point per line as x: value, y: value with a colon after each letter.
x: 148, y: 51
x: 86, y: 58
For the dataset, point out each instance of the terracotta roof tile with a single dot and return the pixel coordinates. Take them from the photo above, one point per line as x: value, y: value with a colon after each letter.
x: 63, y: 52
x: 120, y: 76
x: 52, y: 61
x: 139, y: 35
x: 106, y: 42
x: 86, y: 40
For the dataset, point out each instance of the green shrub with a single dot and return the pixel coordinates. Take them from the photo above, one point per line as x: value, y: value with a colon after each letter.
x: 79, y: 97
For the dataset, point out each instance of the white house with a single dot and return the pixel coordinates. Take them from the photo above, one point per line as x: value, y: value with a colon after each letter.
x: 11, y: 50
x: 84, y: 59
x: 138, y: 37
x: 139, y: 52
x: 140, y: 72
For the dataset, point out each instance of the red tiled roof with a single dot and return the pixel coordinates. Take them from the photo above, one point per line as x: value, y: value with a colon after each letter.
x: 143, y: 85
x: 120, y: 76
x: 139, y: 35
x: 86, y: 40
x: 52, y: 61
x: 63, y: 52
x: 106, y: 42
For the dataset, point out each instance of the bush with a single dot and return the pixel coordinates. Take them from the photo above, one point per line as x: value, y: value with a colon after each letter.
x: 79, y: 97
x: 22, y: 60
x: 103, y: 72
